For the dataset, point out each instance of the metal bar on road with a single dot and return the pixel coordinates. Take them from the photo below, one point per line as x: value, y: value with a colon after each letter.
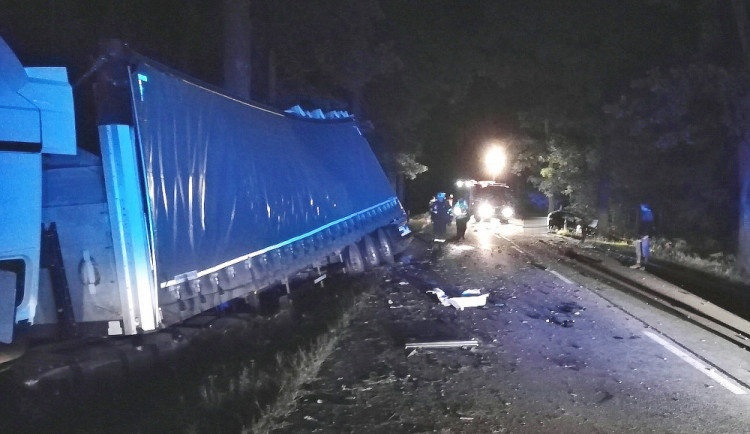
x: 442, y: 344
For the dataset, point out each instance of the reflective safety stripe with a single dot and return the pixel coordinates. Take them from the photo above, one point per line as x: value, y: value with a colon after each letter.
x: 392, y: 201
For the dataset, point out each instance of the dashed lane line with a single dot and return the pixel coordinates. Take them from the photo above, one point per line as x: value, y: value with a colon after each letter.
x: 512, y: 244
x: 561, y: 277
x: 737, y: 390
x: 518, y: 249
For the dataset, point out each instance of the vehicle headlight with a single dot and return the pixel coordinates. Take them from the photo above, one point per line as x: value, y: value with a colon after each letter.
x: 507, y: 212
x: 485, y: 211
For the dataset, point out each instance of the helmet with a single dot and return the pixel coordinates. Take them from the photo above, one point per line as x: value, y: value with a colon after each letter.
x: 441, y: 195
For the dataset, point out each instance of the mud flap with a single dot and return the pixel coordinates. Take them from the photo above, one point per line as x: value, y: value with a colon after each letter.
x: 7, y: 305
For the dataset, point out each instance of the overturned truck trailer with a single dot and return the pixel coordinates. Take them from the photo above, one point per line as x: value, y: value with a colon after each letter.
x: 196, y: 198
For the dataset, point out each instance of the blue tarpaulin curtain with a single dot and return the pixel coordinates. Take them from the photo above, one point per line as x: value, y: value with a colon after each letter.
x: 225, y: 178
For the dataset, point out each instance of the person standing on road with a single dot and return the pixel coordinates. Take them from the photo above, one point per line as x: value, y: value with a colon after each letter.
x: 440, y: 216
x: 461, y: 213
x: 645, y: 231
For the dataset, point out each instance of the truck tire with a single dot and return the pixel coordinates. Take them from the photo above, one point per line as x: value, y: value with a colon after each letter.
x: 353, y: 260
x: 370, y: 252
x: 384, y: 247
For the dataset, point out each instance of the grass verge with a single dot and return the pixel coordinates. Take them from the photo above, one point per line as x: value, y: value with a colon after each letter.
x: 255, y: 392
x: 303, y: 367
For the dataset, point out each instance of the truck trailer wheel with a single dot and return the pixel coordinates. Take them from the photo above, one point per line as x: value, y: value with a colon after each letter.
x: 353, y: 260
x: 384, y: 247
x: 370, y: 252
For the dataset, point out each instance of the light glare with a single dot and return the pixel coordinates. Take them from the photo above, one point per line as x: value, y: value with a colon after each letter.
x: 494, y: 161
x: 507, y: 212
x: 485, y: 211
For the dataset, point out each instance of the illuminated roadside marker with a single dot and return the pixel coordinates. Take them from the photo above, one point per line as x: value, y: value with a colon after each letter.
x: 561, y: 277
x: 696, y: 364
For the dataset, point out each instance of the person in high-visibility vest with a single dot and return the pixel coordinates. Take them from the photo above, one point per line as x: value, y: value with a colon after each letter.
x: 461, y: 213
x: 440, y: 215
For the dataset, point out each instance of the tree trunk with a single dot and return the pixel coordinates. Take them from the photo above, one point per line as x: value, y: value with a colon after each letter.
x: 236, y: 17
x: 356, y: 102
x: 551, y: 203
x: 740, y: 15
x: 603, y: 200
x: 743, y: 244
x: 272, y: 77
x: 743, y: 149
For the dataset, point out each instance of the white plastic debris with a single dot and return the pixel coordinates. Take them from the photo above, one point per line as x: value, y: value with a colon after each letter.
x: 462, y: 302
x: 470, y: 301
x: 472, y: 292
x: 442, y: 298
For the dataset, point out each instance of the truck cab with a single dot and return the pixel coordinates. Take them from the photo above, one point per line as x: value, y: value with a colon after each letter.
x: 36, y: 119
x: 491, y: 200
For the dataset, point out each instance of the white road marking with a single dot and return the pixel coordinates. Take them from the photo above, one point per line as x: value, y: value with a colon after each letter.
x: 561, y: 277
x: 696, y: 364
x: 512, y: 244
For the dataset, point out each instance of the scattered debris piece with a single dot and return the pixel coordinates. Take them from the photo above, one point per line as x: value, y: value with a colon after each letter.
x: 413, y: 352
x: 402, y: 283
x: 472, y: 292
x: 442, y: 298
x: 469, y: 301
x: 442, y: 344
x: 466, y: 418
x: 460, y: 302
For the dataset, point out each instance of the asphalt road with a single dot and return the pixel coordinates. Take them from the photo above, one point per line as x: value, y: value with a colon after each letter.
x: 556, y: 352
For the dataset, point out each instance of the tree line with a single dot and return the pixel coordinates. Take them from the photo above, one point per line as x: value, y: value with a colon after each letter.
x: 602, y: 105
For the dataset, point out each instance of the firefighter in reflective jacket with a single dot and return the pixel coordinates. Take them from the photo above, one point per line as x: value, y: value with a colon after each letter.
x: 440, y: 214
x: 461, y: 213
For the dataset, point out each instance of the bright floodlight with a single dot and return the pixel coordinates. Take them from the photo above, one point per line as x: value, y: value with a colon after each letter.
x: 459, y: 183
x: 494, y: 161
